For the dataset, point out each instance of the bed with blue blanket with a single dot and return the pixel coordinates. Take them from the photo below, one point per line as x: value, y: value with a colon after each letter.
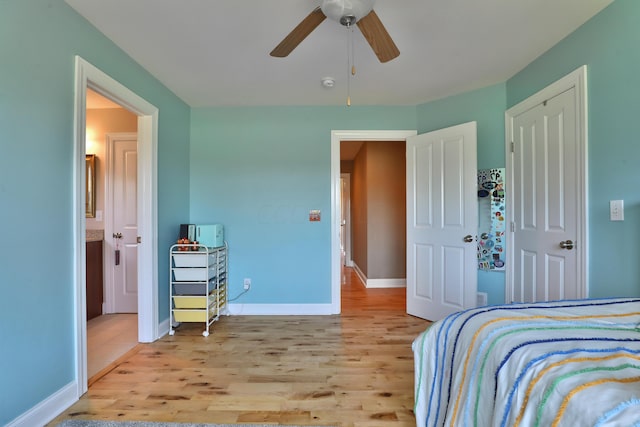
x: 564, y: 363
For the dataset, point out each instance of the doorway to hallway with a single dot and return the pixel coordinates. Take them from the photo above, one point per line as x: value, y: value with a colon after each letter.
x: 336, y: 138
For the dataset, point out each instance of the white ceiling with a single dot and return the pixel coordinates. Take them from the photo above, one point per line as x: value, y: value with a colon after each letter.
x: 216, y: 52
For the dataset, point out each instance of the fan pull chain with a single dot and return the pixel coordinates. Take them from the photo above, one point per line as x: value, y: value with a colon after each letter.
x: 350, y: 62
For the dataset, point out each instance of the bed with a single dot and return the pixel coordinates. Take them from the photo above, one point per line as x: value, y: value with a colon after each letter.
x: 564, y: 363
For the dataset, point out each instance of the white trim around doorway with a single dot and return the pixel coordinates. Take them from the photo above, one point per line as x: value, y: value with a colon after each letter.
x: 88, y: 76
x: 336, y: 137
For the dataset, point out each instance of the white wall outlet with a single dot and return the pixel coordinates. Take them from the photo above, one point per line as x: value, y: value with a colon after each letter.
x: 247, y: 284
x: 616, y: 210
x: 482, y: 299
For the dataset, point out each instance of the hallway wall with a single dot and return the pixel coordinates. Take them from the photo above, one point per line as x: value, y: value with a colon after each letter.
x: 379, y: 210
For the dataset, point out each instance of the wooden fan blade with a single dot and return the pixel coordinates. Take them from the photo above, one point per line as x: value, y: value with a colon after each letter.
x: 378, y: 37
x: 299, y: 33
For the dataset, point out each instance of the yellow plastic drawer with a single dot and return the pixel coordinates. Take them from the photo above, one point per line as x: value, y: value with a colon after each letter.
x: 190, y: 301
x: 190, y: 315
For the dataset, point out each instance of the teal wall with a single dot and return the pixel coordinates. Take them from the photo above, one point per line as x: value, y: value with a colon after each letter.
x: 259, y: 171
x: 485, y: 106
x: 608, y: 45
x: 38, y: 41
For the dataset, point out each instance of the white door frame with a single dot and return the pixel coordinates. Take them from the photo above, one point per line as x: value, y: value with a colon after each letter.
x: 88, y: 76
x: 336, y: 137
x: 578, y: 80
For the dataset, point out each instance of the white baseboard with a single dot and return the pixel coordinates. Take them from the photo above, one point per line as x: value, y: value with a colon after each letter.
x: 163, y: 328
x: 379, y: 283
x: 49, y: 408
x: 280, y: 309
x: 361, y: 275
x: 386, y: 283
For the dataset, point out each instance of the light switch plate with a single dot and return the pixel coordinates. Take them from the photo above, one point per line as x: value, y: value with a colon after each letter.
x: 314, y: 215
x: 616, y: 210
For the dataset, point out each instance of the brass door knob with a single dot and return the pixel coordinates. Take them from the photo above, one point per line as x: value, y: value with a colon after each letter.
x: 468, y: 238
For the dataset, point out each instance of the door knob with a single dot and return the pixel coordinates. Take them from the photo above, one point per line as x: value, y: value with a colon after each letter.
x: 468, y: 238
x: 567, y: 244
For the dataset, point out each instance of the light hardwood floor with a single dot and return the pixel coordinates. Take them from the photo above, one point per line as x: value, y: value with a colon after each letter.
x: 353, y: 369
x: 109, y: 337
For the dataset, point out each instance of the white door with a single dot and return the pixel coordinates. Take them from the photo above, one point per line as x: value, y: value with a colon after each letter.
x: 546, y: 218
x: 123, y: 178
x: 442, y: 221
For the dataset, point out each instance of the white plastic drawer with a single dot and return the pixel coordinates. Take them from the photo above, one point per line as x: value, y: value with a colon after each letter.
x: 192, y: 259
x: 190, y: 274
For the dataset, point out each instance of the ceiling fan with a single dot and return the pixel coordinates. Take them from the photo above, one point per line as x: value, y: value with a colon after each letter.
x: 347, y: 13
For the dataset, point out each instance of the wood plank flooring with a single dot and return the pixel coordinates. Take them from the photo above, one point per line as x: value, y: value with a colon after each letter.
x: 108, y: 338
x: 350, y: 370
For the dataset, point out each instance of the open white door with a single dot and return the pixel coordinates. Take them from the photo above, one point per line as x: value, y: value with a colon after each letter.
x: 442, y: 221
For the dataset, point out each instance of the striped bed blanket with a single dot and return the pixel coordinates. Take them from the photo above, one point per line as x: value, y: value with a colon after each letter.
x: 564, y: 363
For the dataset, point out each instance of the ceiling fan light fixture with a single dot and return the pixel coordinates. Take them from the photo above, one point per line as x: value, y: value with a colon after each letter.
x: 346, y: 12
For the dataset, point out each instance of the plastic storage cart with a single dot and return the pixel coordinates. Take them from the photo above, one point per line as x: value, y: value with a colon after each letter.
x: 198, y: 287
